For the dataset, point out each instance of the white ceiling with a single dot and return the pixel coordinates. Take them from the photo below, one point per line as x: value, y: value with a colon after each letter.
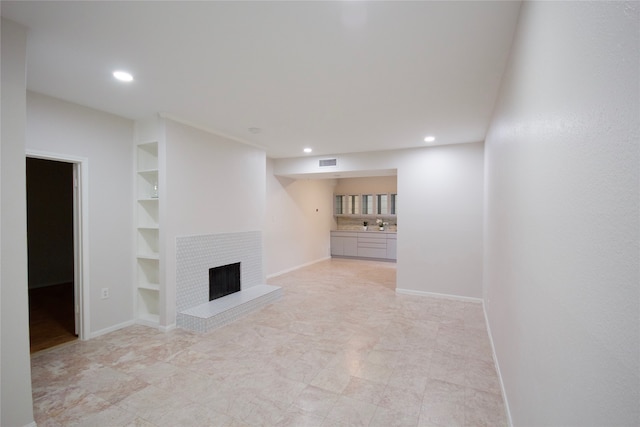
x: 339, y: 77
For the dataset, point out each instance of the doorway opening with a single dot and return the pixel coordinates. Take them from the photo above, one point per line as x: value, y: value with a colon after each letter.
x: 55, y: 255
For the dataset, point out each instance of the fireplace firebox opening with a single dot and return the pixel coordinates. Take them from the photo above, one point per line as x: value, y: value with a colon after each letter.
x: 224, y: 280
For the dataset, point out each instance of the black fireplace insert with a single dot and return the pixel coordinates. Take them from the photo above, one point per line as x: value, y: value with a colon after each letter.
x: 224, y: 280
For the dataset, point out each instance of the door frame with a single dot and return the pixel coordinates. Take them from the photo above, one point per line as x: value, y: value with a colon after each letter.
x: 80, y: 235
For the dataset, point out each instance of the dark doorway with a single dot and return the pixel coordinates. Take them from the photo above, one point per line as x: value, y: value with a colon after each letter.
x: 50, y: 212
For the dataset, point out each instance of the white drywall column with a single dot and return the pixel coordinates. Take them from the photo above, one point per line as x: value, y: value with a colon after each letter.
x: 440, y: 220
x: 562, y: 207
x: 16, y: 402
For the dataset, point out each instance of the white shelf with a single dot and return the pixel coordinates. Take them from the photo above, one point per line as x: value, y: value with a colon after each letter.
x: 147, y: 184
x: 147, y: 156
x: 149, y: 256
x: 148, y: 240
x: 148, y: 304
x: 148, y: 319
x: 148, y: 213
x: 148, y: 273
x: 150, y: 287
x: 148, y: 283
x: 148, y: 172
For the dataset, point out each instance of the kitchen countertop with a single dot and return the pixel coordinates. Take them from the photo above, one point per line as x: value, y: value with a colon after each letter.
x: 370, y: 231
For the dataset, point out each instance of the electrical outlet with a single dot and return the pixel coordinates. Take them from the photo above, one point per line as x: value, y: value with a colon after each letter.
x: 105, y: 293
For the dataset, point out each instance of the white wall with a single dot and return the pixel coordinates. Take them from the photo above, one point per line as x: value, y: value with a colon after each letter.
x: 62, y: 128
x: 440, y: 220
x: 367, y: 185
x: 299, y: 216
x: 562, y: 188
x: 15, y: 369
x: 439, y: 212
x: 213, y: 185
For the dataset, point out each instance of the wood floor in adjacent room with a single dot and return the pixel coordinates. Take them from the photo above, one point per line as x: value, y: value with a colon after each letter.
x: 51, y: 316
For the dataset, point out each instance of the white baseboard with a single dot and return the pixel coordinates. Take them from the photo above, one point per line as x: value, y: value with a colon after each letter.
x: 436, y: 295
x: 497, y: 367
x: 145, y: 322
x: 288, y: 270
x: 111, y: 329
x: 167, y: 328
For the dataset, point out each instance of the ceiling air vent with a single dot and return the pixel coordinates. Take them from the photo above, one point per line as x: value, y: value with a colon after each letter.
x: 328, y: 162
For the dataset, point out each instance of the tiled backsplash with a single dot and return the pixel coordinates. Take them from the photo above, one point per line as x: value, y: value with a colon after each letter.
x: 356, y: 223
x: 195, y: 255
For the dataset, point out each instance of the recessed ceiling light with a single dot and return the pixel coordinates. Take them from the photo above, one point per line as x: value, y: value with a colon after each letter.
x: 123, y: 76
x: 307, y: 150
x: 429, y: 138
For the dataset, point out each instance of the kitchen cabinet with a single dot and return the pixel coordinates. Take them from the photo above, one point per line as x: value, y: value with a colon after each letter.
x: 392, y: 246
x: 382, y: 205
x: 364, y: 244
x: 372, y: 245
x: 340, y: 205
x: 344, y: 243
x: 366, y: 205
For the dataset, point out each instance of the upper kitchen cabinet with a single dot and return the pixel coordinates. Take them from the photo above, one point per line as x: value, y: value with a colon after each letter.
x: 340, y: 204
x: 367, y: 204
x: 380, y: 205
x: 347, y: 204
x: 393, y: 205
x: 366, y: 197
x: 387, y: 204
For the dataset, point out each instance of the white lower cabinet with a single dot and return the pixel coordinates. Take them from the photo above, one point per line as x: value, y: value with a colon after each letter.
x: 372, y: 244
x: 392, y: 246
x: 344, y: 243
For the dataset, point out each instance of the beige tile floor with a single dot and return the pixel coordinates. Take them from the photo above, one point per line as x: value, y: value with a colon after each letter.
x: 339, y: 349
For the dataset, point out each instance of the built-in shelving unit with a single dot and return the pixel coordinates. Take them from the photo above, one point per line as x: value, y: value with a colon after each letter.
x: 147, y: 234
